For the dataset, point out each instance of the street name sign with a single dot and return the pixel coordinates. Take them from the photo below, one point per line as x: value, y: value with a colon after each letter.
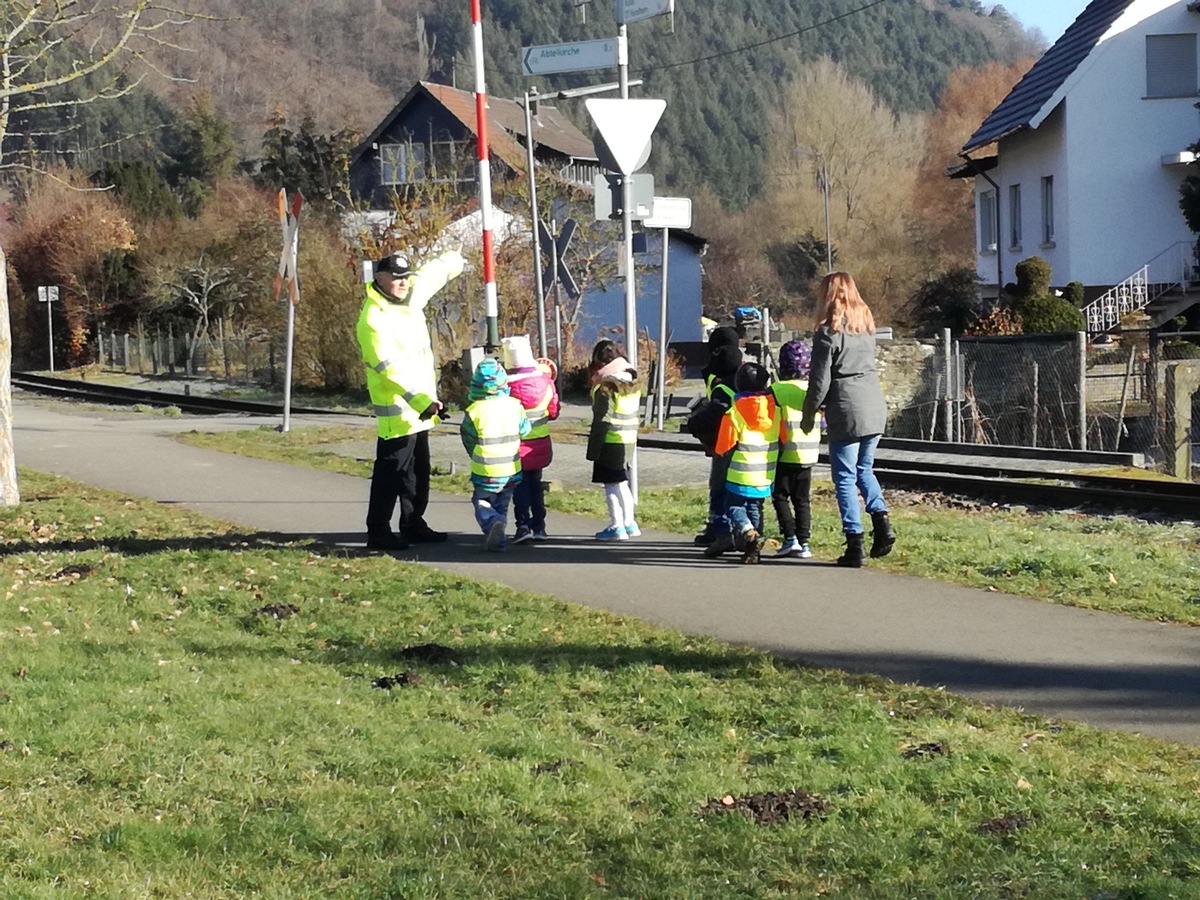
x: 636, y: 10
x: 580, y: 56
x: 670, y: 212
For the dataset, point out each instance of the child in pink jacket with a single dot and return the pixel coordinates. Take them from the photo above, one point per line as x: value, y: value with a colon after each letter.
x: 532, y: 384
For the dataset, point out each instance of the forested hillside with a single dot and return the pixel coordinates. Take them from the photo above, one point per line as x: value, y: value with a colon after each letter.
x: 346, y: 62
x: 713, y: 131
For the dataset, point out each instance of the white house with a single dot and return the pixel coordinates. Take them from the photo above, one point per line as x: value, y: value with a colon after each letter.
x: 1081, y: 163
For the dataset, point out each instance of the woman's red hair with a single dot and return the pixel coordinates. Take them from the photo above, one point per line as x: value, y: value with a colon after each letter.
x: 842, y: 306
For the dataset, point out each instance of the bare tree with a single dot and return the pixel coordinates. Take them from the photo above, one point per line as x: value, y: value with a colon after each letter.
x: 97, y: 39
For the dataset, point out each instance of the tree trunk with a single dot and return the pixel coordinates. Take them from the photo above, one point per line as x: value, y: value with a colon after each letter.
x: 10, y: 492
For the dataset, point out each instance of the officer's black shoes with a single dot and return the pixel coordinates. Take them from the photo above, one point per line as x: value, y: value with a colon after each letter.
x: 386, y: 541
x: 423, y: 534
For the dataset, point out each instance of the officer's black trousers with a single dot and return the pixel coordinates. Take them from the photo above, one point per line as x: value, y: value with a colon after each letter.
x: 401, y: 472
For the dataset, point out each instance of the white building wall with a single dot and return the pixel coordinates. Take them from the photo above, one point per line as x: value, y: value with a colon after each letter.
x: 1025, y: 158
x: 1124, y: 210
x: 1116, y: 204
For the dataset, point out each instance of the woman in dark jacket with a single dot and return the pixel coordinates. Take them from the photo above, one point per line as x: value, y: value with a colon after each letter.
x: 844, y: 381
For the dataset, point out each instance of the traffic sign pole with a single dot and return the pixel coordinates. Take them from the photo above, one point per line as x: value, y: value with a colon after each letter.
x: 662, y: 328
x: 535, y: 222
x: 50, y: 325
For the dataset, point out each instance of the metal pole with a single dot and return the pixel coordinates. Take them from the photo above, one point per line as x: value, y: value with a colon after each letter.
x: 287, y: 369
x: 491, y: 305
x: 947, y: 411
x: 662, y: 328
x: 50, y: 327
x: 627, y: 233
x: 1037, y: 401
x: 1081, y: 344
x: 825, y: 197
x: 535, y: 221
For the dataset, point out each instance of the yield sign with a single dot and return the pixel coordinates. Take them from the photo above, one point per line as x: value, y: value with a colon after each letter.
x: 289, y: 223
x: 555, y: 250
x: 625, y: 128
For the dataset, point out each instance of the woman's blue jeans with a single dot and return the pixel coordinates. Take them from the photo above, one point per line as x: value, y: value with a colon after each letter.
x: 853, y: 464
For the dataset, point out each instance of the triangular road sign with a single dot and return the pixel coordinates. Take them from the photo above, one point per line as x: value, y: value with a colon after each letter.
x: 625, y: 128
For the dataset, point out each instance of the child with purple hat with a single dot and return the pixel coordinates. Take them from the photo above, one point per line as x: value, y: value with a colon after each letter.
x: 797, y: 453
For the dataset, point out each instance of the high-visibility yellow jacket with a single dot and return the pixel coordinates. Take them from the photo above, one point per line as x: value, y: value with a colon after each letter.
x: 751, y: 430
x: 496, y: 452
x: 795, y: 446
x: 397, y: 351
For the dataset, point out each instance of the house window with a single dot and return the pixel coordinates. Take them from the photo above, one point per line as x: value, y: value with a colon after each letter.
x: 1014, y: 216
x: 1048, y: 210
x: 987, y: 222
x: 401, y: 163
x: 453, y: 161
x: 1170, y: 65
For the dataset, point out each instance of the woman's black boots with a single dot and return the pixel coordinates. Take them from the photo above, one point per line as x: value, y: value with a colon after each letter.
x: 853, y: 556
x: 883, y: 537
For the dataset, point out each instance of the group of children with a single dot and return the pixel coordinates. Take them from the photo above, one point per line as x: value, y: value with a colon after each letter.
x: 749, y: 426
x: 751, y: 430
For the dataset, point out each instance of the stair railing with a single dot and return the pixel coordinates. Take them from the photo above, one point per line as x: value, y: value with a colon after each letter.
x: 1173, y: 269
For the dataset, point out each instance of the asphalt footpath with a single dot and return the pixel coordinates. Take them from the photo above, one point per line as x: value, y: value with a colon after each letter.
x: 1104, y: 669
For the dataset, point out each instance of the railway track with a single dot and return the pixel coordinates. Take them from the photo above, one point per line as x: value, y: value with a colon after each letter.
x: 72, y: 389
x: 994, y: 479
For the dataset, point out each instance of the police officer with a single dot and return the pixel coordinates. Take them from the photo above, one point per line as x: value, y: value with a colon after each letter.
x: 402, y: 379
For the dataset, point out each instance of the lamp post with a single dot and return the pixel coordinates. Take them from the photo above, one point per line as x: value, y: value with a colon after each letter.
x: 824, y: 175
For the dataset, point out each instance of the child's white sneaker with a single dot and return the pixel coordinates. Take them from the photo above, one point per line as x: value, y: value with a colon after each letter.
x: 790, y: 547
x: 632, y: 530
x: 805, y: 553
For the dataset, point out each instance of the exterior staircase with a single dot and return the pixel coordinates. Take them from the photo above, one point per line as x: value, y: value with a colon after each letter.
x: 1163, y: 288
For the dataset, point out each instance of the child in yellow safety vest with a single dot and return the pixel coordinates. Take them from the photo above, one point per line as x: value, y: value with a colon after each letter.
x: 612, y: 440
x: 750, y: 433
x: 797, y: 452
x: 491, y: 432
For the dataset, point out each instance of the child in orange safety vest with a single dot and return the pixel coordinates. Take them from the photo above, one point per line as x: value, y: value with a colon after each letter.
x: 750, y: 433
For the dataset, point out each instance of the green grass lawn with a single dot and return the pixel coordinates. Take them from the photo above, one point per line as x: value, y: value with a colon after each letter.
x: 1119, y: 564
x: 163, y: 735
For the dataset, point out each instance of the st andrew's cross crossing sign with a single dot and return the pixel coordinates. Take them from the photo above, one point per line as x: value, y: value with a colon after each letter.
x: 555, y: 250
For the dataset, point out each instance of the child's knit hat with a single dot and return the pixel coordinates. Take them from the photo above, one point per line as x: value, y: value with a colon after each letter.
x: 795, y: 359
x: 751, y: 378
x: 489, y: 378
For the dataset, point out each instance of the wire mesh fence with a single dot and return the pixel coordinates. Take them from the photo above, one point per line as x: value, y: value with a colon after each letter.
x: 1132, y: 394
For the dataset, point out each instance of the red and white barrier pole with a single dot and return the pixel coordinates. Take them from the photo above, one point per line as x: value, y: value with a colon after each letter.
x: 485, y: 185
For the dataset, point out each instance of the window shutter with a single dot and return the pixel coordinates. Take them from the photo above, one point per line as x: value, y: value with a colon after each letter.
x: 1171, y: 65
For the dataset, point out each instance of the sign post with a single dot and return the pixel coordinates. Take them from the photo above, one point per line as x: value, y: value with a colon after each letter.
x: 289, y: 223
x: 48, y: 294
x: 669, y: 212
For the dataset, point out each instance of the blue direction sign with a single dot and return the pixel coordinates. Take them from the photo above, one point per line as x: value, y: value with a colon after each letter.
x: 580, y: 56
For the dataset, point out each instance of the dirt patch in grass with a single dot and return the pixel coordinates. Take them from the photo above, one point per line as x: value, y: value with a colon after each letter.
x: 1004, y: 824
x: 554, y: 768
x: 434, y: 654
x: 278, y: 611
x: 399, y: 680
x: 771, y: 807
x: 925, y: 751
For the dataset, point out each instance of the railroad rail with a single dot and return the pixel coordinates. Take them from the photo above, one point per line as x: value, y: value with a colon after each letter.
x: 995, y: 479
x: 96, y: 392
